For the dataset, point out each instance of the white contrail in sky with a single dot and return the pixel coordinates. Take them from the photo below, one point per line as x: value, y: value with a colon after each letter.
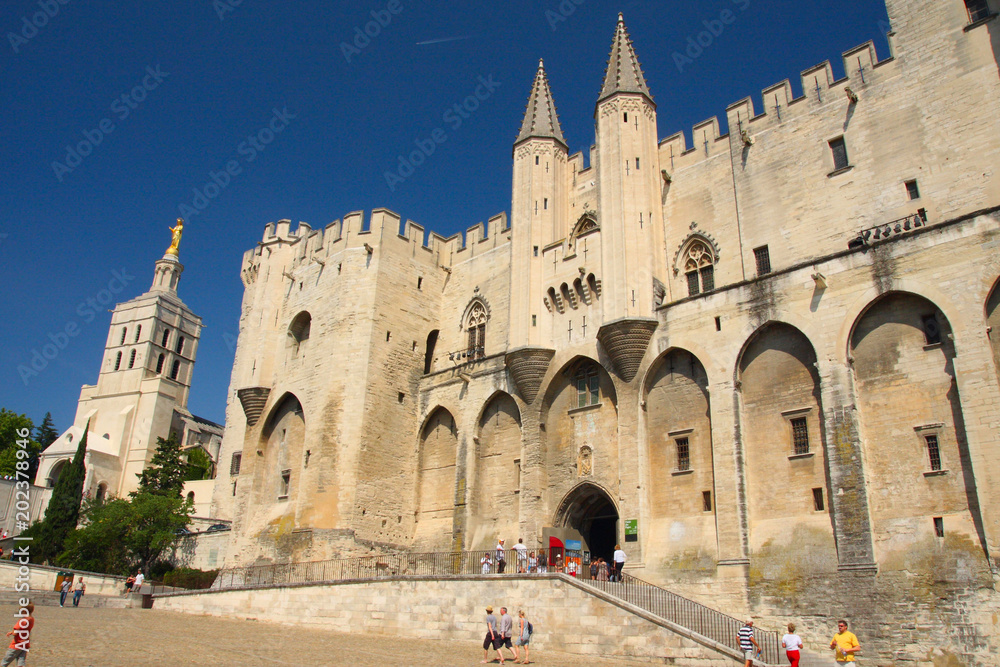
x: 443, y: 39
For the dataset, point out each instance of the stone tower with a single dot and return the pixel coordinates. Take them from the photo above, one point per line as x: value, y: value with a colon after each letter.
x: 142, y: 389
x: 630, y: 187
x: 539, y: 204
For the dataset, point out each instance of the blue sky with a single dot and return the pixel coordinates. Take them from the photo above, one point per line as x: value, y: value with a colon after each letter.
x: 170, y: 93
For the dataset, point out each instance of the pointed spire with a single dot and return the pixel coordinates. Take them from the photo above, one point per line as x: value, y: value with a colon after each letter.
x: 540, y: 118
x: 624, y: 74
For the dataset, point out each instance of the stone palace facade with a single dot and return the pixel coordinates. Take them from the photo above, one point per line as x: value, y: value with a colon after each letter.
x: 773, y: 354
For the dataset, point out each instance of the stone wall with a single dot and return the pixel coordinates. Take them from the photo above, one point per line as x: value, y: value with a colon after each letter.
x: 565, y: 617
x: 43, y: 578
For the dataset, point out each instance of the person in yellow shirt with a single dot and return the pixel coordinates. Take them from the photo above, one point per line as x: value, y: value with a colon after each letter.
x: 845, y: 643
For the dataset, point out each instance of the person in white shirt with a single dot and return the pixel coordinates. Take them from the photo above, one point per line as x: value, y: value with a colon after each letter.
x: 619, y: 562
x: 792, y: 643
x: 139, y: 578
x: 522, y: 556
x: 485, y: 562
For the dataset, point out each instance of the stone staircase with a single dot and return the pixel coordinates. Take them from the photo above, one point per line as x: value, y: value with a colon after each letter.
x: 51, y: 599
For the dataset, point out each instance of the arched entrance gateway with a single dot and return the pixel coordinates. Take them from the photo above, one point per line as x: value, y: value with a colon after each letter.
x: 589, y: 516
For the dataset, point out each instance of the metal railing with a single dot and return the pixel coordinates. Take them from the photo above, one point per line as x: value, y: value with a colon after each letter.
x: 370, y: 567
x: 657, y: 601
x: 689, y: 614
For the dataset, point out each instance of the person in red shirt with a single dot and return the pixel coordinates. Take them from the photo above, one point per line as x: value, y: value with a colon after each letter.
x: 18, y: 649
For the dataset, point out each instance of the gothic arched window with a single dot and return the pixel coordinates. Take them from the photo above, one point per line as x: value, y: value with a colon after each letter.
x: 476, y: 328
x: 699, y: 267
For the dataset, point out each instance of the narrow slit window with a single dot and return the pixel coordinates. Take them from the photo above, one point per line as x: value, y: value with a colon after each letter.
x: 124, y: 334
x: 118, y: 361
x: 235, y: 463
x: 159, y: 363
x: 839, y: 150
x: 818, y: 504
x: 180, y: 345
x: 800, y: 435
x: 420, y: 283
x: 131, y: 359
x: 626, y: 116
x: 536, y: 159
x: 138, y: 332
x: 545, y: 203
x: 637, y: 164
x: 939, y: 526
x: 718, y: 324
x: 933, y: 452
x: 706, y: 501
x: 175, y: 370
x: 166, y: 338
x: 683, y: 454
x: 912, y: 190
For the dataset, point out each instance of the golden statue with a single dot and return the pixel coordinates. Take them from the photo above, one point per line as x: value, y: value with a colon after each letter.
x: 175, y: 240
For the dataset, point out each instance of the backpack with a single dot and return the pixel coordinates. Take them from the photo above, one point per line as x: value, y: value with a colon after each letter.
x: 531, y: 629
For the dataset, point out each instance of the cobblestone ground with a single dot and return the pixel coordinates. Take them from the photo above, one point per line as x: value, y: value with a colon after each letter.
x: 94, y: 637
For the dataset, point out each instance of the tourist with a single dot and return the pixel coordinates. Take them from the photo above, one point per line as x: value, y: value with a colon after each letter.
x: 501, y: 557
x: 485, y: 563
x: 845, y: 643
x: 492, y: 638
x: 522, y: 556
x: 506, y: 633
x: 139, y: 578
x: 619, y: 562
x: 747, y: 642
x: 129, y: 583
x: 18, y: 649
x: 571, y: 567
x: 78, y: 592
x: 523, y: 636
x: 543, y: 561
x: 558, y: 565
x: 67, y: 583
x: 602, y: 570
x: 532, y: 562
x: 594, y: 566
x: 792, y: 643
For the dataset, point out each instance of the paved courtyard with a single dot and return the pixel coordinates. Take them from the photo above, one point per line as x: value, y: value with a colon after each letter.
x: 96, y: 637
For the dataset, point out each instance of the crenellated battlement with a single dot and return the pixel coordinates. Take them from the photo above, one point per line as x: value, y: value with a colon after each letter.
x: 819, y: 88
x: 382, y: 230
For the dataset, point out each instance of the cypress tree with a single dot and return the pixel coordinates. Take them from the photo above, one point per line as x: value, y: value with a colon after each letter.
x: 63, y: 511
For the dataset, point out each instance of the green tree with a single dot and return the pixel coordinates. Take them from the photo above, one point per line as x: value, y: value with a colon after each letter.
x: 12, y: 425
x: 199, y: 464
x: 165, y: 473
x: 120, y: 535
x: 46, y: 433
x: 63, y: 511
